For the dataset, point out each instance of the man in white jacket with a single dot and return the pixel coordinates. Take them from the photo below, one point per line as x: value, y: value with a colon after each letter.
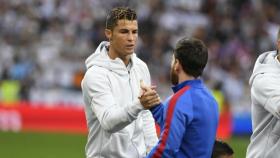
x: 119, y: 126
x: 265, y: 96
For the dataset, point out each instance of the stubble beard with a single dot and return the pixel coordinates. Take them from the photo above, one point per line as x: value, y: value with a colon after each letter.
x: 174, y: 77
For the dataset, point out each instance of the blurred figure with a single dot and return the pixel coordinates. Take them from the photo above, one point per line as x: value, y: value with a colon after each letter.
x: 9, y: 90
x: 224, y: 130
x: 189, y: 118
x: 222, y: 150
x: 118, y: 124
x: 265, y: 97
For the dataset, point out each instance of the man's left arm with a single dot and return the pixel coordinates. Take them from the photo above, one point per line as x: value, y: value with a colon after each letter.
x: 149, y: 130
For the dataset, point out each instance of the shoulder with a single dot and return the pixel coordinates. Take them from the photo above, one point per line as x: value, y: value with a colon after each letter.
x: 182, y: 99
x: 265, y: 81
x: 138, y: 62
x: 262, y: 58
x: 96, y: 71
x: 95, y: 74
x: 141, y: 68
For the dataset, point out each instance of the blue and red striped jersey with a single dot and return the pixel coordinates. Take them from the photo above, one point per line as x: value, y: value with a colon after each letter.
x: 188, y: 120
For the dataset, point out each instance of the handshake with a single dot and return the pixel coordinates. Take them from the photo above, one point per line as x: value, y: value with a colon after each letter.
x: 148, y: 96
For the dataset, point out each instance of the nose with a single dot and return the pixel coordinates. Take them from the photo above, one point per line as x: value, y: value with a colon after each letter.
x: 130, y: 36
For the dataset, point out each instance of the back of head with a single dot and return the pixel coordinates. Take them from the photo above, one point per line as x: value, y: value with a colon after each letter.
x: 119, y: 13
x: 221, y: 149
x: 192, y: 54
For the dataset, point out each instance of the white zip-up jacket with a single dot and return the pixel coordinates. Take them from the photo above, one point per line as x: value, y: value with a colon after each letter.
x: 118, y: 125
x: 265, y: 96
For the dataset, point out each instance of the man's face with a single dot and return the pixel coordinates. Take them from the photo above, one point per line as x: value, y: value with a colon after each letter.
x: 123, y: 38
x: 173, y: 74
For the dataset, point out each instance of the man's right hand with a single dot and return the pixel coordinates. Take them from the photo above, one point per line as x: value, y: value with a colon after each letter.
x: 148, y: 97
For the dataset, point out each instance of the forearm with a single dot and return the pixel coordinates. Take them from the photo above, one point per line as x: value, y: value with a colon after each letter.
x: 115, y: 118
x: 157, y: 113
x: 149, y: 129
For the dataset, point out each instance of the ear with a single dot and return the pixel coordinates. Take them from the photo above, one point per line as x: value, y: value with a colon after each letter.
x: 108, y: 34
x: 177, y: 65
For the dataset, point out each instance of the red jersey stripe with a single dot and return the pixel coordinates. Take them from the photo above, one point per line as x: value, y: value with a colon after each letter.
x: 158, y: 152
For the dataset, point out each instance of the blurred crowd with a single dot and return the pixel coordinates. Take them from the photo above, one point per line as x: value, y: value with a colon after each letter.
x: 44, y: 43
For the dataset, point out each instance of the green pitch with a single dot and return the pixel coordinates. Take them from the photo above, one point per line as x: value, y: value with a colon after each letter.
x: 239, y: 145
x: 41, y: 145
x: 52, y: 145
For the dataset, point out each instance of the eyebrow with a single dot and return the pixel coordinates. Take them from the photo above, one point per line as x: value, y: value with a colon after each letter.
x: 125, y: 29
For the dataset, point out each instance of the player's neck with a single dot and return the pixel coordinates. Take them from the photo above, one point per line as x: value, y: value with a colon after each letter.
x: 185, y: 77
x: 113, y: 55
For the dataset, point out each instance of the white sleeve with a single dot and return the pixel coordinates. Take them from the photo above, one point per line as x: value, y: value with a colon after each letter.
x: 149, y: 128
x: 111, y: 116
x: 266, y: 90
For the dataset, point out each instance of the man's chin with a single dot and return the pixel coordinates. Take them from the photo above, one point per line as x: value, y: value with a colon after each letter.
x: 130, y: 50
x: 129, y: 53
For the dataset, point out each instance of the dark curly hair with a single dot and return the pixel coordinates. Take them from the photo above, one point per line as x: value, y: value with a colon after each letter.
x: 119, y: 13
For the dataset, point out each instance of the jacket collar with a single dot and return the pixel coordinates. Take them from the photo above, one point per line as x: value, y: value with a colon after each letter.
x: 191, y: 83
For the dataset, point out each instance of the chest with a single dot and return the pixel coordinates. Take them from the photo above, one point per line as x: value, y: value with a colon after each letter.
x: 126, y: 88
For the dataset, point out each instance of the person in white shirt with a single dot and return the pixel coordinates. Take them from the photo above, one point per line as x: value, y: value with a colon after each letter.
x: 265, y: 97
x: 119, y: 126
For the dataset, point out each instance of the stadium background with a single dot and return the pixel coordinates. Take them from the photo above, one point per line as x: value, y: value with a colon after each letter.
x: 43, y: 45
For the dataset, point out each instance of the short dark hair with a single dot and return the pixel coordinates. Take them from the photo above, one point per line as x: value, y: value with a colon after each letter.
x: 119, y: 13
x: 192, y: 55
x: 221, y: 149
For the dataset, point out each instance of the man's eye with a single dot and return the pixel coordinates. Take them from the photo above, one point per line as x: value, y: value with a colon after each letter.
x: 123, y: 31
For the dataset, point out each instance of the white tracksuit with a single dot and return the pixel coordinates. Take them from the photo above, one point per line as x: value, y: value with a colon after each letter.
x: 265, y: 96
x: 118, y: 126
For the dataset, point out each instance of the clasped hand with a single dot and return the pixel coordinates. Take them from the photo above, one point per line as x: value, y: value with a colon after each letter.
x: 148, y: 96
